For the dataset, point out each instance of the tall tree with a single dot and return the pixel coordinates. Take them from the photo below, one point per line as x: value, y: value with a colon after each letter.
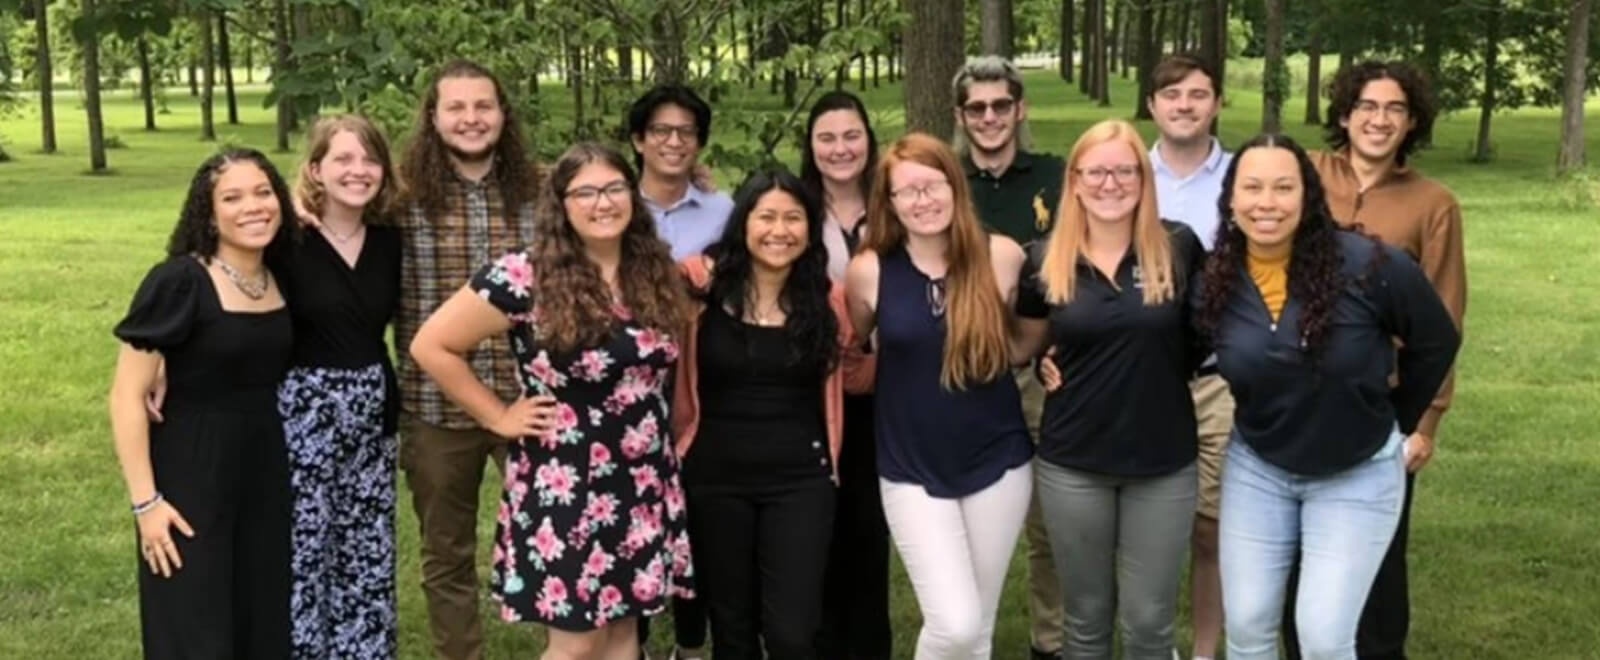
x: 1114, y: 47
x: 1482, y: 152
x: 1066, y: 40
x: 1086, y: 37
x: 1574, y: 91
x: 1275, y: 74
x: 226, y: 60
x: 1102, y: 78
x: 280, y: 65
x: 997, y: 30
x: 1314, y: 63
x: 146, y: 83
x: 88, y: 33
x: 1147, y: 59
x: 930, y: 61
x: 208, y: 127
x: 47, y: 105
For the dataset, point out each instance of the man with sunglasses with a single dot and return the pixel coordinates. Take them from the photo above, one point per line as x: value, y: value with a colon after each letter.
x: 1016, y: 192
x: 669, y: 126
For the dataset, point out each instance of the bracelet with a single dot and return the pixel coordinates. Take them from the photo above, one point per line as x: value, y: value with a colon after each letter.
x: 145, y: 506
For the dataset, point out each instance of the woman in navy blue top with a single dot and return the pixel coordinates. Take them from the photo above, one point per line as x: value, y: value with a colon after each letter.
x: 953, y: 450
x: 1305, y: 318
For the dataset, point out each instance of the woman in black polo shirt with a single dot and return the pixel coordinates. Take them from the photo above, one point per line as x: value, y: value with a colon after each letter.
x: 1304, y: 317
x: 1116, y: 474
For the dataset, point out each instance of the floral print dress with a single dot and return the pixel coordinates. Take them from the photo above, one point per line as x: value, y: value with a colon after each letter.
x: 592, y: 526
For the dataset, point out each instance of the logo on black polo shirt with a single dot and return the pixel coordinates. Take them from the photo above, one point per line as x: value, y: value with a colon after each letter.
x: 1138, y: 278
x: 1041, y: 212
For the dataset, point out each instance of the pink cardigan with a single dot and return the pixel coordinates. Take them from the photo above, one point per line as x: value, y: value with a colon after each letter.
x: 854, y: 372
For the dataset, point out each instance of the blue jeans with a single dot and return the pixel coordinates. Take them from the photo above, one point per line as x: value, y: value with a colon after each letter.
x: 1339, y: 525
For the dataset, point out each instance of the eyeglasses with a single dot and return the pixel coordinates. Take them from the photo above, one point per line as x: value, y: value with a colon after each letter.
x: 977, y: 109
x: 615, y: 191
x: 913, y: 194
x: 1096, y: 176
x: 1391, y: 110
x: 663, y: 132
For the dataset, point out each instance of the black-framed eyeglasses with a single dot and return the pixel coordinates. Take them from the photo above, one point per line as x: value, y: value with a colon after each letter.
x: 977, y: 109
x: 616, y: 191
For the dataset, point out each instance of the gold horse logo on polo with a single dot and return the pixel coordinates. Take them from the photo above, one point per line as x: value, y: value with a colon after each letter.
x: 1041, y: 213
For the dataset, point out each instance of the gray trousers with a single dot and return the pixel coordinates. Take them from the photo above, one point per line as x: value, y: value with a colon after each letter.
x: 1119, y: 545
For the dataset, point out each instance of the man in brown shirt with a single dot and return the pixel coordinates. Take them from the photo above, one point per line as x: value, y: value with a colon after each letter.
x: 1380, y: 114
x: 470, y: 194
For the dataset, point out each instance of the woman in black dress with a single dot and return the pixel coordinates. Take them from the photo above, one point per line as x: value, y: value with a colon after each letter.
x: 209, y: 484
x: 338, y: 399
x: 592, y: 530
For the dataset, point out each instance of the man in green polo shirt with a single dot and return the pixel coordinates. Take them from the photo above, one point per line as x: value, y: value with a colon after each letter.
x: 1016, y: 193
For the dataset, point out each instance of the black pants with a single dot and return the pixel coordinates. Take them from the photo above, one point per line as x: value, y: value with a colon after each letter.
x: 760, y: 554
x: 1386, y: 619
x: 855, y: 615
x: 228, y: 476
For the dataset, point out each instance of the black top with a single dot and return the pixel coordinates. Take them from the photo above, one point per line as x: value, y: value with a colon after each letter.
x: 761, y: 417
x: 341, y: 314
x: 1317, y: 419
x: 215, y: 359
x: 1021, y: 202
x: 1124, y: 406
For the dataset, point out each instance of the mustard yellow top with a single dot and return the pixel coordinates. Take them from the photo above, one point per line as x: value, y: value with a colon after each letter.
x: 1272, y: 278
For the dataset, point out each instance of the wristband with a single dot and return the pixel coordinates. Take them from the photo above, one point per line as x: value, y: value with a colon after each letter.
x: 144, y: 507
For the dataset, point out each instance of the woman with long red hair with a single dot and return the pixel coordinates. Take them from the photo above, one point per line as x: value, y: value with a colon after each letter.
x: 953, y: 450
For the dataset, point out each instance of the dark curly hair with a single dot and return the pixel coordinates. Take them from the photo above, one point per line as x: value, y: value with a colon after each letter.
x: 811, y: 327
x: 643, y: 108
x: 1344, y: 91
x: 837, y: 100
x: 1315, y: 265
x: 427, y: 159
x: 574, y: 301
x: 196, y: 232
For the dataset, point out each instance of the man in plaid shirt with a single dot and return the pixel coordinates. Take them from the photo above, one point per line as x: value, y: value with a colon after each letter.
x: 470, y: 196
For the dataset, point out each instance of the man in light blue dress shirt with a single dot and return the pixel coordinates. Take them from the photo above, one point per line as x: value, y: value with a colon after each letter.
x: 669, y: 126
x: 1189, y: 165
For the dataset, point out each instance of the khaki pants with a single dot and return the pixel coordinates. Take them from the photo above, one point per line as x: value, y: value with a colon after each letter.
x: 1213, y: 412
x: 1045, y: 600
x: 444, y: 469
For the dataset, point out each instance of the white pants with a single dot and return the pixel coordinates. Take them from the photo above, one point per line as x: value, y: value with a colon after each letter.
x: 956, y: 552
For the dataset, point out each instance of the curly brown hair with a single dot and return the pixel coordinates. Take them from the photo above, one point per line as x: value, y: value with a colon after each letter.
x: 574, y: 301
x: 1344, y: 91
x: 427, y: 158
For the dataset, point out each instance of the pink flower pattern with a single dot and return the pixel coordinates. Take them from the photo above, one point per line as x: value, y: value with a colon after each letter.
x: 591, y: 526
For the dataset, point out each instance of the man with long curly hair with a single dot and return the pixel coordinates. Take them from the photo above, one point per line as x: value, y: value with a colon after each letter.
x: 469, y: 198
x: 1379, y: 115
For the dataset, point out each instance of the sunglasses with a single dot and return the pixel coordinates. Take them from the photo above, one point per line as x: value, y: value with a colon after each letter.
x: 977, y: 109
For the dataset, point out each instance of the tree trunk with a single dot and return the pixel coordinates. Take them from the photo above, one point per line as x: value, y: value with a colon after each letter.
x: 280, y: 64
x: 194, y: 78
x: 47, y: 102
x: 842, y: 74
x: 1274, y: 76
x: 249, y: 62
x: 1180, y: 39
x: 1432, y: 38
x: 1114, y: 48
x: 146, y: 83
x: 575, y: 80
x: 1102, y: 71
x: 208, y: 128
x: 791, y: 86
x: 1572, y: 154
x: 1211, y: 35
x: 1147, y: 59
x: 930, y: 61
x: 1086, y: 37
x: 1491, y: 80
x: 1314, y: 64
x: 226, y: 60
x: 530, y: 13
x: 300, y: 26
x: 90, y: 49
x: 1158, y: 39
x: 996, y: 30
x: 1067, y: 33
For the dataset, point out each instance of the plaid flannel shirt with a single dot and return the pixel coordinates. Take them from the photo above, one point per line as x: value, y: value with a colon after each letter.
x: 440, y: 255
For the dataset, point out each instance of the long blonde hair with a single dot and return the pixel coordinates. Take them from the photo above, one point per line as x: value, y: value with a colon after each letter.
x: 977, y: 337
x: 310, y: 193
x: 1069, y: 239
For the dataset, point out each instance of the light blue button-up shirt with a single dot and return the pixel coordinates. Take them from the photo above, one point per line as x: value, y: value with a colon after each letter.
x: 1193, y: 200
x: 691, y: 223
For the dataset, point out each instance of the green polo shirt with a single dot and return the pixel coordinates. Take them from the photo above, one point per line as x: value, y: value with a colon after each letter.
x: 1021, y: 202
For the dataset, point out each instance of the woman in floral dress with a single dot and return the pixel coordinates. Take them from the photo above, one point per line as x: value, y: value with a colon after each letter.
x: 592, y: 528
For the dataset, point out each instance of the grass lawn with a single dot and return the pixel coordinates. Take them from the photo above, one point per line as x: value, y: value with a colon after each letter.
x: 1505, y: 559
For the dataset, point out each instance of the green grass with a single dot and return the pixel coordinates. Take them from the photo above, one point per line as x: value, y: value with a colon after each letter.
x: 1505, y: 561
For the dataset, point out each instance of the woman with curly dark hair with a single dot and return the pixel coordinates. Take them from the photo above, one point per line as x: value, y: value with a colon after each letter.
x: 758, y: 419
x: 209, y: 482
x: 592, y: 531
x: 1304, y: 317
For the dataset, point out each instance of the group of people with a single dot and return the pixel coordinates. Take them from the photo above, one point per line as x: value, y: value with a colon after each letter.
x: 732, y: 406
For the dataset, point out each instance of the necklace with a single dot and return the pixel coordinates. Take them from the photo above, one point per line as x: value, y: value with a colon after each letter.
x: 360, y: 227
x: 250, y: 289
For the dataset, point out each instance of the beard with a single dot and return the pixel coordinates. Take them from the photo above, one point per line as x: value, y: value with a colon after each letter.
x: 470, y: 157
